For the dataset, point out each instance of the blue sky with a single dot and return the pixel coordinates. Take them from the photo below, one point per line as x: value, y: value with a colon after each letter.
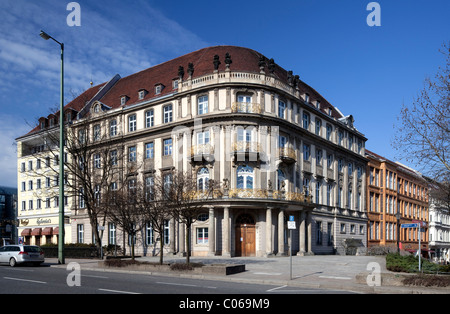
x: 364, y: 71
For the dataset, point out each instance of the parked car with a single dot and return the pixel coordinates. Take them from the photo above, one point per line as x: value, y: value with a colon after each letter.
x: 18, y: 254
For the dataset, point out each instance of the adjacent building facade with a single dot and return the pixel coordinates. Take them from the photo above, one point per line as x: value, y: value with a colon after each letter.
x: 396, y: 191
x: 278, y: 149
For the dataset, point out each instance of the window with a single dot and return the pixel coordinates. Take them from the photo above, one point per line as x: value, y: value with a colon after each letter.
x: 319, y: 233
x: 113, y: 128
x: 168, y: 147
x: 318, y: 187
x: 306, y: 152
x: 97, y: 161
x: 149, y: 150
x: 149, y: 118
x: 175, y: 84
x: 329, y: 192
x: 281, y: 179
x: 318, y: 126
x: 97, y: 133
x: 330, y: 233
x: 166, y: 232
x: 244, y: 103
x: 281, y: 109
x: 113, y: 157
x: 244, y: 135
x: 141, y: 94
x: 111, y: 233
x: 330, y: 160
x: 30, y: 205
x: 282, y: 141
x: 245, y: 177
x: 149, y: 188
x: 80, y: 233
x: 30, y: 165
x: 340, y: 137
x: 202, y: 235
x: 81, y: 199
x: 149, y: 234
x: 132, y: 153
x: 202, y: 179
x: 203, y: 138
x: 132, y: 123
x: 306, y: 120
x: 158, y: 89
x: 123, y: 100
x: 319, y: 157
x: 329, y: 131
x: 202, y: 104
x: 168, y: 113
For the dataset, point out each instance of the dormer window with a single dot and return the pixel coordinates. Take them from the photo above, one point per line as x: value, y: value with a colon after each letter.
x: 42, y: 125
x: 142, y: 94
x: 158, y: 88
x: 97, y: 108
x: 317, y: 104
x: 175, y: 84
x: 123, y: 100
x: 51, y: 122
x: 307, y: 98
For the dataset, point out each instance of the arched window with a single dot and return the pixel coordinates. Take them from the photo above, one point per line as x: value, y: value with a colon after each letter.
x: 202, y: 179
x: 245, y: 177
x: 280, y: 179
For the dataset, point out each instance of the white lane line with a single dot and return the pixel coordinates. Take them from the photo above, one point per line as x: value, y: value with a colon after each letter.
x: 118, y: 291
x: 268, y: 274
x: 92, y: 276
x: 27, y: 280
x: 176, y: 284
x: 185, y: 285
x: 335, y: 277
x: 273, y: 289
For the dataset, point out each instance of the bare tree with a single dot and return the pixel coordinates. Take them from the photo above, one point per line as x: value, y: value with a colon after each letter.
x: 156, y: 208
x: 123, y: 208
x: 187, y: 202
x: 423, y: 134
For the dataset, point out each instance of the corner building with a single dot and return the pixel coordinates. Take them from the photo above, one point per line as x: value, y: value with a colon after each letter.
x: 278, y: 149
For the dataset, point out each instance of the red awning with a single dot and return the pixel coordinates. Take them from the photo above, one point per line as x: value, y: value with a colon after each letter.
x: 26, y: 232
x: 47, y: 231
x: 56, y: 231
x: 36, y: 231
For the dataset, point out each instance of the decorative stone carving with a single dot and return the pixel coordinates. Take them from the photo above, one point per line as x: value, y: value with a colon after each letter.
x: 216, y: 63
x: 271, y: 66
x: 180, y: 72
x: 228, y: 60
x: 190, y: 69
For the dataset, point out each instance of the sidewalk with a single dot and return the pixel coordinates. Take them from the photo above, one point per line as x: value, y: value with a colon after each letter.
x: 323, y: 271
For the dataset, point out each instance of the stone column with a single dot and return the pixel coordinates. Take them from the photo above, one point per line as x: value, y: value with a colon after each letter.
x: 301, y: 232
x: 226, y: 233
x: 269, y: 244
x: 309, y: 226
x: 211, y: 233
x: 281, y: 251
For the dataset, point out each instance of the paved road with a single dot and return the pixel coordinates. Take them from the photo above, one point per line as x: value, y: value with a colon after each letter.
x: 59, y: 280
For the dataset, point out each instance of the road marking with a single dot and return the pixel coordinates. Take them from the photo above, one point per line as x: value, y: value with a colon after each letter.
x: 335, y: 277
x: 184, y: 285
x: 273, y: 289
x: 269, y: 274
x: 118, y: 291
x: 92, y: 276
x: 27, y: 280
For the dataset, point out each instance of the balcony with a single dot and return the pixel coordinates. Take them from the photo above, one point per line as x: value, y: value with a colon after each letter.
x: 246, y: 151
x: 202, y: 152
x: 246, y: 107
x: 287, y: 155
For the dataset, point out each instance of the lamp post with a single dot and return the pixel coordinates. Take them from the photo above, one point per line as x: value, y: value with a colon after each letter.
x: 61, y: 259
x: 398, y: 216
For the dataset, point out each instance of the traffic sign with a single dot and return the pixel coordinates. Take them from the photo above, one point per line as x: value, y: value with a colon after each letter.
x: 410, y: 225
x: 291, y: 217
x: 291, y: 225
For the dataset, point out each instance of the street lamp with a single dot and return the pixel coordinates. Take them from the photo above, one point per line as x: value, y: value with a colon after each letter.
x: 61, y: 260
x: 398, y: 216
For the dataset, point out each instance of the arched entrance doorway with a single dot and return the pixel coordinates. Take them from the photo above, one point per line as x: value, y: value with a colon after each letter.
x: 245, y: 236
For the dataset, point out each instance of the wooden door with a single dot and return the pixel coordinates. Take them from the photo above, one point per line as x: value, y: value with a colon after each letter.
x: 245, y: 240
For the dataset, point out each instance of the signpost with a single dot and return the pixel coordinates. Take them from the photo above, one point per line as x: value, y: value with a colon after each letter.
x: 291, y: 226
x: 417, y: 224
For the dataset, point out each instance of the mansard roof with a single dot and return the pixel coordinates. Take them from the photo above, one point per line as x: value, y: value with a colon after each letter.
x: 203, y: 62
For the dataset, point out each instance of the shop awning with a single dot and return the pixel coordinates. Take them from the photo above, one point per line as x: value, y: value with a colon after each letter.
x: 48, y: 231
x: 36, y: 231
x: 26, y: 232
x: 56, y: 231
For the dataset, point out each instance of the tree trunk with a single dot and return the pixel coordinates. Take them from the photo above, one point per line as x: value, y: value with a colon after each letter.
x: 188, y: 244
x: 161, y: 247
